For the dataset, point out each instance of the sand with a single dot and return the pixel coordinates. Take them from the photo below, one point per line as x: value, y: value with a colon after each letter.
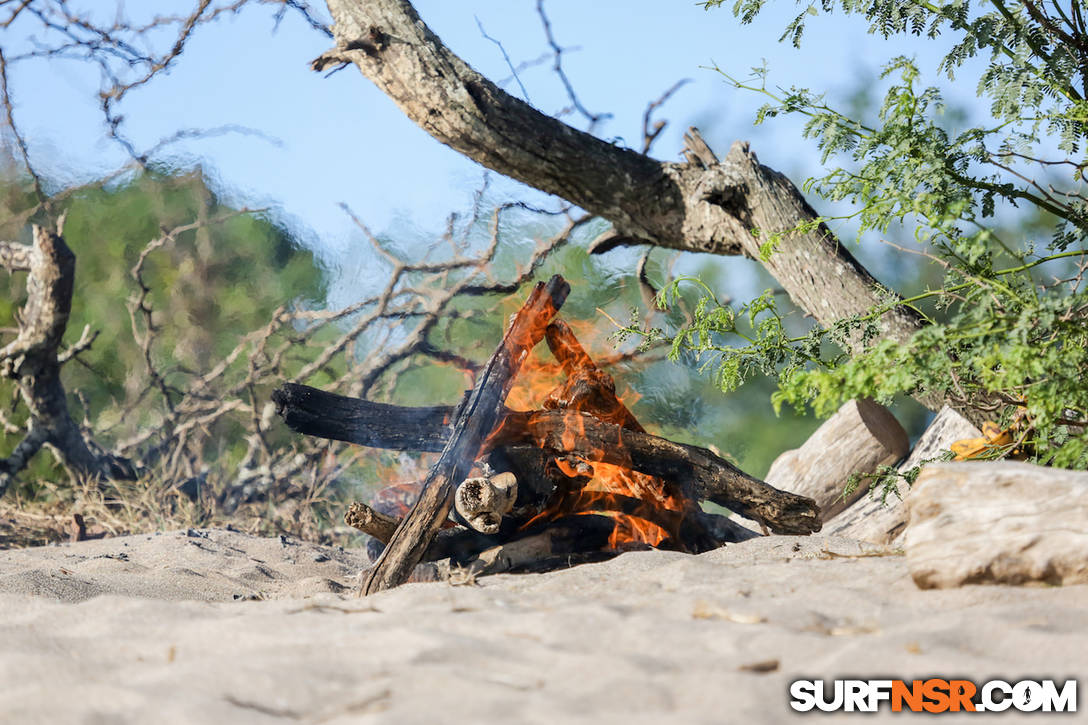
x: 220, y: 627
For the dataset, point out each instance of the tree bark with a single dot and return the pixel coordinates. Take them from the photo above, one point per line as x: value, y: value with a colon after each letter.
x: 729, y: 207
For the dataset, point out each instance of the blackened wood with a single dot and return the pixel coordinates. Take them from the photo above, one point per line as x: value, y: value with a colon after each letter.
x: 533, y: 467
x: 327, y: 415
x: 712, y: 478
x: 475, y: 421
x: 555, y: 544
x: 701, y: 474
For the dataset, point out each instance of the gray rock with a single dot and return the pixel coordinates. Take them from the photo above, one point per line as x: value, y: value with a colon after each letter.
x: 997, y: 523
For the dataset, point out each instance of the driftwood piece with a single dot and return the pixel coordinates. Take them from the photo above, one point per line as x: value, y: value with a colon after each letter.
x: 858, y: 438
x: 483, y: 500
x: 474, y: 422
x: 869, y: 519
x: 374, y: 523
x: 997, y: 523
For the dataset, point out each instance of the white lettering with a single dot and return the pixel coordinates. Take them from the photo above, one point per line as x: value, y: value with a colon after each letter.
x: 803, y: 693
x: 988, y: 701
x: 821, y: 697
x: 1064, y: 701
x: 879, y: 691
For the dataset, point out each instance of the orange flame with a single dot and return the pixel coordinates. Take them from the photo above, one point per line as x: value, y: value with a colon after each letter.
x: 644, y: 508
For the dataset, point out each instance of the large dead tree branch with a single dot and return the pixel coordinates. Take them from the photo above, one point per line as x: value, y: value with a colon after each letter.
x: 729, y: 207
x: 32, y: 360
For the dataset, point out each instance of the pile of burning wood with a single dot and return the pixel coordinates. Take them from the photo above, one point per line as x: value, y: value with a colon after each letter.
x: 577, y: 480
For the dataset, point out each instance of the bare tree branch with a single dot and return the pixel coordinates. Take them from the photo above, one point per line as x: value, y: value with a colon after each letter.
x: 736, y: 206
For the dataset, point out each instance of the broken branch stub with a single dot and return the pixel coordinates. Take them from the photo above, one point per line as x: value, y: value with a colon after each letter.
x: 474, y: 422
x: 483, y: 501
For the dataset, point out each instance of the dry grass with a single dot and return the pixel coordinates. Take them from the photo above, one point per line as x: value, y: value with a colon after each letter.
x: 117, y: 508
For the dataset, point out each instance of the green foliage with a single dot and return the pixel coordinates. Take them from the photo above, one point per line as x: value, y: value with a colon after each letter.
x: 1006, y: 334
x: 208, y: 288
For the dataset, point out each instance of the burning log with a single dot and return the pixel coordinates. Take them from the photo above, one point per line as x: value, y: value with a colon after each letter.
x: 711, y: 477
x: 457, y: 542
x: 474, y: 421
x: 704, y: 476
x: 580, y: 479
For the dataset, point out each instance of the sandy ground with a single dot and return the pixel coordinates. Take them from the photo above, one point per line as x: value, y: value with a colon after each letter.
x: 220, y: 627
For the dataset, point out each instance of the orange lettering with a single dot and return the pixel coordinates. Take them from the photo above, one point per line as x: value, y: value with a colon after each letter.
x: 911, y: 695
x: 961, y: 692
x: 936, y: 692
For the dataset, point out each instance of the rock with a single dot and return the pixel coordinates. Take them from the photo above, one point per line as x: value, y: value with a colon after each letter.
x: 858, y: 438
x: 997, y: 523
x: 883, y: 523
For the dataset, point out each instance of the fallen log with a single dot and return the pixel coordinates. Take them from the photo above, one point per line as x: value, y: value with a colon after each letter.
x: 473, y: 422
x: 859, y: 438
x: 884, y: 521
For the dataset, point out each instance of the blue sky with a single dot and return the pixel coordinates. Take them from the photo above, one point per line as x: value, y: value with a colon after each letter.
x: 325, y: 140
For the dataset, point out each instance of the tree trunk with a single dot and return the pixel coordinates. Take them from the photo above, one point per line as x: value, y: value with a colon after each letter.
x: 731, y: 207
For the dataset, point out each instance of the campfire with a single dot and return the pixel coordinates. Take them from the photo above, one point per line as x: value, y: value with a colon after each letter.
x: 576, y: 480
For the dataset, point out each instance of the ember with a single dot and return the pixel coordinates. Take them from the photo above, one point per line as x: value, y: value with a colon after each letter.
x: 578, y: 479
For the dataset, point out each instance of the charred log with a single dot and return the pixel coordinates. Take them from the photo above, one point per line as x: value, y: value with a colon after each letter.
x: 704, y: 476
x: 337, y: 417
x: 709, y: 477
x: 474, y: 422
